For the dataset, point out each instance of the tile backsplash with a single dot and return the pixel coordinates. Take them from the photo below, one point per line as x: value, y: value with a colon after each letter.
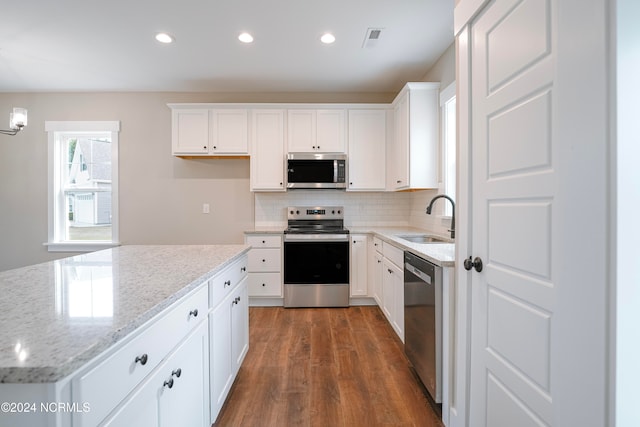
x: 380, y: 209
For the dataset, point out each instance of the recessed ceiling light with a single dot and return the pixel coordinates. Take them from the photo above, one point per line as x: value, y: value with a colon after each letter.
x: 245, y: 38
x: 164, y: 38
x: 327, y: 38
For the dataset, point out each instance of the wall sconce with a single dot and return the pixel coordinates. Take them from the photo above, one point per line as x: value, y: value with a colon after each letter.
x: 17, y: 120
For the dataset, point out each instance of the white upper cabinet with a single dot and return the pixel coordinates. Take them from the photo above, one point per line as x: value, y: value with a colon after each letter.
x: 228, y: 132
x: 267, y: 150
x: 316, y: 131
x: 209, y: 132
x: 190, y: 131
x: 414, y: 147
x: 367, y: 145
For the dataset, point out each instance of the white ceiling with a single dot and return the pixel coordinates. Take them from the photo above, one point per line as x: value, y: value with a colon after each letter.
x: 99, y: 45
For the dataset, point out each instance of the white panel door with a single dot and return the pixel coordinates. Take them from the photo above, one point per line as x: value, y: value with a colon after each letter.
x: 514, y: 182
x: 537, y: 214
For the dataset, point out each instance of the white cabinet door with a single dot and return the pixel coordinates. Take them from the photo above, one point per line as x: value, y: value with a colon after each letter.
x: 176, y: 393
x: 267, y: 150
x: 388, y: 293
x: 377, y: 275
x: 190, y: 131
x: 239, y: 325
x: 229, y: 132
x: 301, y: 135
x: 358, y: 265
x: 400, y: 146
x: 316, y: 131
x: 367, y: 145
x: 330, y: 131
x: 184, y: 396
x: 393, y: 296
x: 220, y: 354
x: 416, y: 130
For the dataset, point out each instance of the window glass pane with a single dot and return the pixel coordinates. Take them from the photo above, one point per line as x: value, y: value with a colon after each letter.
x: 86, y: 184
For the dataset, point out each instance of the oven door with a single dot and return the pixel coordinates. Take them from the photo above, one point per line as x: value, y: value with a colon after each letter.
x: 316, y: 271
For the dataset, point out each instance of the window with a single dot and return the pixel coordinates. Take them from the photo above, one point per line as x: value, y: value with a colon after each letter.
x: 448, y: 114
x: 83, y: 185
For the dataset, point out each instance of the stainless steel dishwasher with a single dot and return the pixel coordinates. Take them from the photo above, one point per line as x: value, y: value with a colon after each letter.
x: 423, y: 321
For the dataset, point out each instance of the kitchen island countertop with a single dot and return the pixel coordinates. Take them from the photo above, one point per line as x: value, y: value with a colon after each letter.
x: 58, y: 315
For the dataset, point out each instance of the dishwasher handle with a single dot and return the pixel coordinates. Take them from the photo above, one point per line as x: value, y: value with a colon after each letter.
x: 421, y: 274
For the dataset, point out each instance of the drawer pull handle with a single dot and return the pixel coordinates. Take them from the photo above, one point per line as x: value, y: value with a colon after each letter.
x: 235, y: 301
x: 168, y: 383
x: 142, y: 359
x: 177, y: 372
x: 194, y: 313
x: 227, y: 283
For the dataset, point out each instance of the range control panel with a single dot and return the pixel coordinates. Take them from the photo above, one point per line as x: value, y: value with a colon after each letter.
x: 315, y: 212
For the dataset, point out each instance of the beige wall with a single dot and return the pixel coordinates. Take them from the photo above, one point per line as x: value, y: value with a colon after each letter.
x: 161, y: 196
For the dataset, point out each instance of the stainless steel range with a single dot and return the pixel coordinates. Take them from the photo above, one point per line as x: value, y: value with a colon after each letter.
x: 316, y: 257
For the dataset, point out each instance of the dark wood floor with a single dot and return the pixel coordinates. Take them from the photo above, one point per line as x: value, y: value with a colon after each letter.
x: 325, y: 367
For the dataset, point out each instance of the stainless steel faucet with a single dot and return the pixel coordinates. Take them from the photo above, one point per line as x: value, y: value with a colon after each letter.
x: 453, y: 215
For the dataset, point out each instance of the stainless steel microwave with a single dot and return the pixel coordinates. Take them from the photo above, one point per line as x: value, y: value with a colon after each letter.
x: 316, y: 170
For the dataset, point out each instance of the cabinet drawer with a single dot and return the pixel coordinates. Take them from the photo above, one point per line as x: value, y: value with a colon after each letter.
x: 264, y: 260
x: 222, y: 283
x: 377, y: 244
x: 108, y: 383
x: 394, y: 254
x: 265, y: 284
x: 264, y: 241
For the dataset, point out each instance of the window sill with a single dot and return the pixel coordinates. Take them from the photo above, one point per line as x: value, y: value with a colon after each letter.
x: 79, y: 247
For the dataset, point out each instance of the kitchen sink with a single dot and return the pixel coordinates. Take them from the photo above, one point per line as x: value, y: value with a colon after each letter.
x: 423, y: 238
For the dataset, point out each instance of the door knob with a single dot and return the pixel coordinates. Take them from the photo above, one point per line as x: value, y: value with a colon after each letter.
x: 476, y: 263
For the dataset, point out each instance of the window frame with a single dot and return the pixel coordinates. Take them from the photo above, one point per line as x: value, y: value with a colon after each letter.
x: 446, y: 96
x: 55, y: 223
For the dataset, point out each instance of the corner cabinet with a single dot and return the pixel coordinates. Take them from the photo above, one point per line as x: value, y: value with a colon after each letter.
x: 267, y: 150
x: 214, y: 132
x: 316, y: 131
x: 367, y: 146
x: 414, y: 147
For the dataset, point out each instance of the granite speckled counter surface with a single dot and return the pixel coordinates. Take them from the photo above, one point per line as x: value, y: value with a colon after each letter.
x: 442, y: 254
x: 56, y: 316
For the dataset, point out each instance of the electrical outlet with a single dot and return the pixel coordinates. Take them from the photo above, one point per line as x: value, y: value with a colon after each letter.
x: 205, y: 208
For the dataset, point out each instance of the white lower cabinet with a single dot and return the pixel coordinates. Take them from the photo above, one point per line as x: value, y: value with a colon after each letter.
x: 393, y: 287
x: 176, y: 393
x: 376, y: 269
x: 229, y: 324
x: 358, y: 270
x: 265, y: 265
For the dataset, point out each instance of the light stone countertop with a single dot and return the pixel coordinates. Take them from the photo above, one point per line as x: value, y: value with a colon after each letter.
x: 56, y: 316
x: 442, y: 254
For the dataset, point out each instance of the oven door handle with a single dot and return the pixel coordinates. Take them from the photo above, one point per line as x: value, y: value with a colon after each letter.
x: 316, y: 237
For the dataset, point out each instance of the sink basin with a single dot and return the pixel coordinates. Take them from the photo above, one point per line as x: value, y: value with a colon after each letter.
x: 423, y: 238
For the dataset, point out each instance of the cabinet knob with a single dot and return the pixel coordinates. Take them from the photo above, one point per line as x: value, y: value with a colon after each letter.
x: 264, y: 242
x: 227, y: 283
x: 214, y: 147
x: 243, y: 269
x: 398, y: 181
x: 142, y: 359
x: 177, y: 372
x: 389, y: 270
x: 264, y: 260
x: 168, y: 383
x: 264, y: 284
x: 204, y: 146
x: 194, y: 312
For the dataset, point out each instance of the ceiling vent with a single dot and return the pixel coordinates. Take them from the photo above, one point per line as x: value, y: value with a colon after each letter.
x: 372, y: 37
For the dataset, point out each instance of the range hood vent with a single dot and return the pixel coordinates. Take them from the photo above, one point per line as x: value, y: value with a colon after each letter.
x: 372, y: 37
